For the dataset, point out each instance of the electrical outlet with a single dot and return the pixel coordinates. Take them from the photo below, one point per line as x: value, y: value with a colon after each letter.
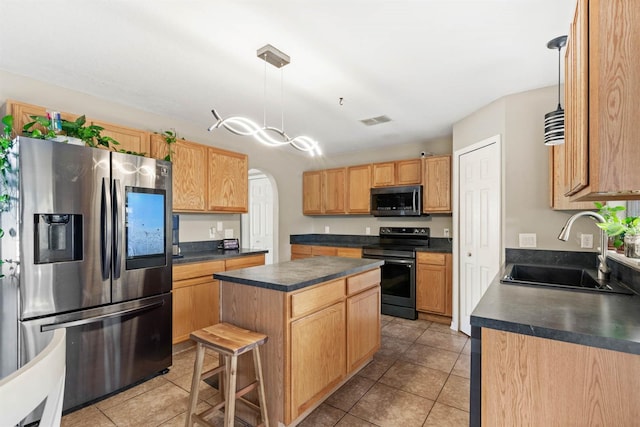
x: 212, y: 233
x: 586, y: 241
x: 367, y: 230
x: 326, y: 229
x: 446, y: 232
x: 527, y: 240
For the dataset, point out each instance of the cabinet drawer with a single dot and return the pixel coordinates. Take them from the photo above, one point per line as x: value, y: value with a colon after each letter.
x: 431, y: 258
x: 308, y: 301
x: 349, y: 252
x: 363, y: 281
x: 301, y: 249
x: 323, y: 251
x: 197, y: 269
x: 244, y: 262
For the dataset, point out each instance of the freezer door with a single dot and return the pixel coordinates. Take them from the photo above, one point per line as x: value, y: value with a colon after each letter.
x: 64, y: 228
x: 107, y: 348
x: 141, y: 213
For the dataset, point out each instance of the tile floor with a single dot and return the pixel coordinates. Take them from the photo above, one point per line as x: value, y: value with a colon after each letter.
x: 420, y: 377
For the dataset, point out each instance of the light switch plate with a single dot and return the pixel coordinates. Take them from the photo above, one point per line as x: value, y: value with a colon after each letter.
x: 326, y: 229
x: 527, y: 240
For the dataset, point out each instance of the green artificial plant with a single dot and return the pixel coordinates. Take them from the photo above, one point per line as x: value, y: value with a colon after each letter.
x: 90, y: 134
x: 615, y: 226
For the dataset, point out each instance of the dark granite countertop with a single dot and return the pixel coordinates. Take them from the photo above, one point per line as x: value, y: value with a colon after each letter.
x: 436, y: 244
x: 214, y: 254
x: 609, y: 321
x: 293, y: 275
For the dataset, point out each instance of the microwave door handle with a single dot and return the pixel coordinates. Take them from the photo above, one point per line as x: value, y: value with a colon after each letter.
x: 415, y: 201
x: 105, y: 236
x: 117, y: 232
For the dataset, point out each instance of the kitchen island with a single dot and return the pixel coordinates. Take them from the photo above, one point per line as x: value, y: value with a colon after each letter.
x: 322, y: 316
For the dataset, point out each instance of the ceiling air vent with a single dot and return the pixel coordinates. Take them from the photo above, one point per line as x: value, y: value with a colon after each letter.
x: 375, y: 120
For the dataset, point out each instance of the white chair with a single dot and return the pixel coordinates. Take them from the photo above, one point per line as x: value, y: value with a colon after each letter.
x: 42, y: 378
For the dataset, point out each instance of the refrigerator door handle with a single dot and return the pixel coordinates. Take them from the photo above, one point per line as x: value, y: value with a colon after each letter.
x: 101, y: 317
x: 117, y: 232
x: 105, y: 236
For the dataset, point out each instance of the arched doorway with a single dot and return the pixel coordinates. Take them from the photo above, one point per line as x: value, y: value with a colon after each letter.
x: 259, y: 227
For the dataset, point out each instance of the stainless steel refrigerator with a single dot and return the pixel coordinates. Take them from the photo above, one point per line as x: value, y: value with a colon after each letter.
x: 88, y: 248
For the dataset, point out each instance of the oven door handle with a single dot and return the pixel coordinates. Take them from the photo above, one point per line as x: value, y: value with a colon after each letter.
x: 407, y: 263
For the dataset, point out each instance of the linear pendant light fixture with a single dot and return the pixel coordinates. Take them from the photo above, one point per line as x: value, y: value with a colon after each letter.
x: 267, y: 135
x: 554, y: 121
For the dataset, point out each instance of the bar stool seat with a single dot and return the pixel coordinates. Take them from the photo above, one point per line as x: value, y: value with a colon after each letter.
x: 229, y: 341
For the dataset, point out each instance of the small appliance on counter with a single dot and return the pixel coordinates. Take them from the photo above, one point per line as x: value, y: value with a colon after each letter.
x: 229, y: 245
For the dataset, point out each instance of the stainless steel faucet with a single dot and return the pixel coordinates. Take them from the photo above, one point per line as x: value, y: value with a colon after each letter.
x: 603, y: 269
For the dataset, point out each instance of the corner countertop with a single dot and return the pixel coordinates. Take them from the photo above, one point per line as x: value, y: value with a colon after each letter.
x: 609, y: 321
x: 215, y: 254
x: 293, y: 275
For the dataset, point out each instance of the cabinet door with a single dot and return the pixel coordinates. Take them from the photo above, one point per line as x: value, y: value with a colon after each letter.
x: 557, y: 199
x: 22, y: 113
x: 317, y: 356
x: 130, y: 139
x: 363, y: 327
x: 244, y: 262
x: 384, y: 174
x: 324, y: 251
x: 349, y: 252
x: 359, y: 189
x: 430, y: 294
x: 206, y: 304
x: 577, y: 90
x: 408, y: 172
x: 182, y: 313
x: 334, y: 190
x: 228, y: 181
x: 300, y: 251
x: 436, y: 196
x: 189, y: 168
x: 312, y: 193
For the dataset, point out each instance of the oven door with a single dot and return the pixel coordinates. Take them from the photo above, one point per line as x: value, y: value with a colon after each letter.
x: 398, y: 287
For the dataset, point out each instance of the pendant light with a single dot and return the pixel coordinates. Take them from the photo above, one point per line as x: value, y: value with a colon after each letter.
x: 554, y: 121
x: 267, y: 135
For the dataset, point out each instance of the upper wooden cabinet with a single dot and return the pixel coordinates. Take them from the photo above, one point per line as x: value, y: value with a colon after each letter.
x: 436, y: 192
x: 400, y: 172
x: 557, y: 199
x: 130, y: 139
x: 602, y: 87
x: 228, y: 181
x: 189, y: 173
x: 312, y: 193
x: 334, y: 190
x: 359, y: 189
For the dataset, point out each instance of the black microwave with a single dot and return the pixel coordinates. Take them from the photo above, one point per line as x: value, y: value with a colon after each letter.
x: 397, y: 201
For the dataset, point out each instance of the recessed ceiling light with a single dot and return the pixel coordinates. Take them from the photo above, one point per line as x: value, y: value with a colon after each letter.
x: 375, y: 120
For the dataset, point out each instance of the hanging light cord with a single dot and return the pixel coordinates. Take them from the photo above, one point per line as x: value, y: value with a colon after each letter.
x: 559, y: 60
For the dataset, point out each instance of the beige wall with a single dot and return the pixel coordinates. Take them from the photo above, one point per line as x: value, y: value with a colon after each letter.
x: 284, y: 166
x: 518, y: 118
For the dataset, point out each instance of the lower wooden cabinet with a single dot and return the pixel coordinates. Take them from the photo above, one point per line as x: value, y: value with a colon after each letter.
x: 317, y: 355
x: 363, y: 337
x: 433, y: 283
x: 306, y: 251
x: 196, y: 295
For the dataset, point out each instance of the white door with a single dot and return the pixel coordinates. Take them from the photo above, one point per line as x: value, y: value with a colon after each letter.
x: 260, y: 219
x: 479, y: 224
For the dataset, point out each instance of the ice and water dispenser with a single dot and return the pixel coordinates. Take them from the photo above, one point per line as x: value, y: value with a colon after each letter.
x: 57, y: 238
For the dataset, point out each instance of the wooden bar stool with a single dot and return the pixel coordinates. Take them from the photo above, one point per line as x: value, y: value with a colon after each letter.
x: 228, y: 341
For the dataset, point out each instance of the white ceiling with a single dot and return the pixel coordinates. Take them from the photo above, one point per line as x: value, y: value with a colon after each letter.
x: 424, y: 63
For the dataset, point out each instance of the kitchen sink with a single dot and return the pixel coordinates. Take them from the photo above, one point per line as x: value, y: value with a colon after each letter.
x: 569, y: 278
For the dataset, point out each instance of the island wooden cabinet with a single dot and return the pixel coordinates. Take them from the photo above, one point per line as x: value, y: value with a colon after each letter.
x: 555, y: 383
x: 602, y: 87
x: 433, y: 283
x: 319, y: 336
x: 436, y: 191
x: 399, y: 172
x: 196, y: 294
x: 306, y: 251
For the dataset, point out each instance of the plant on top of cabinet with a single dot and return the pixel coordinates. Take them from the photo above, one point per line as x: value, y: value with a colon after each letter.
x: 170, y: 137
x: 89, y: 134
x: 6, y: 142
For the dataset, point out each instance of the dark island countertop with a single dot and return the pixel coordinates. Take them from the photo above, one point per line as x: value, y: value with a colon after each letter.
x: 215, y: 254
x: 293, y: 275
x: 609, y: 321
